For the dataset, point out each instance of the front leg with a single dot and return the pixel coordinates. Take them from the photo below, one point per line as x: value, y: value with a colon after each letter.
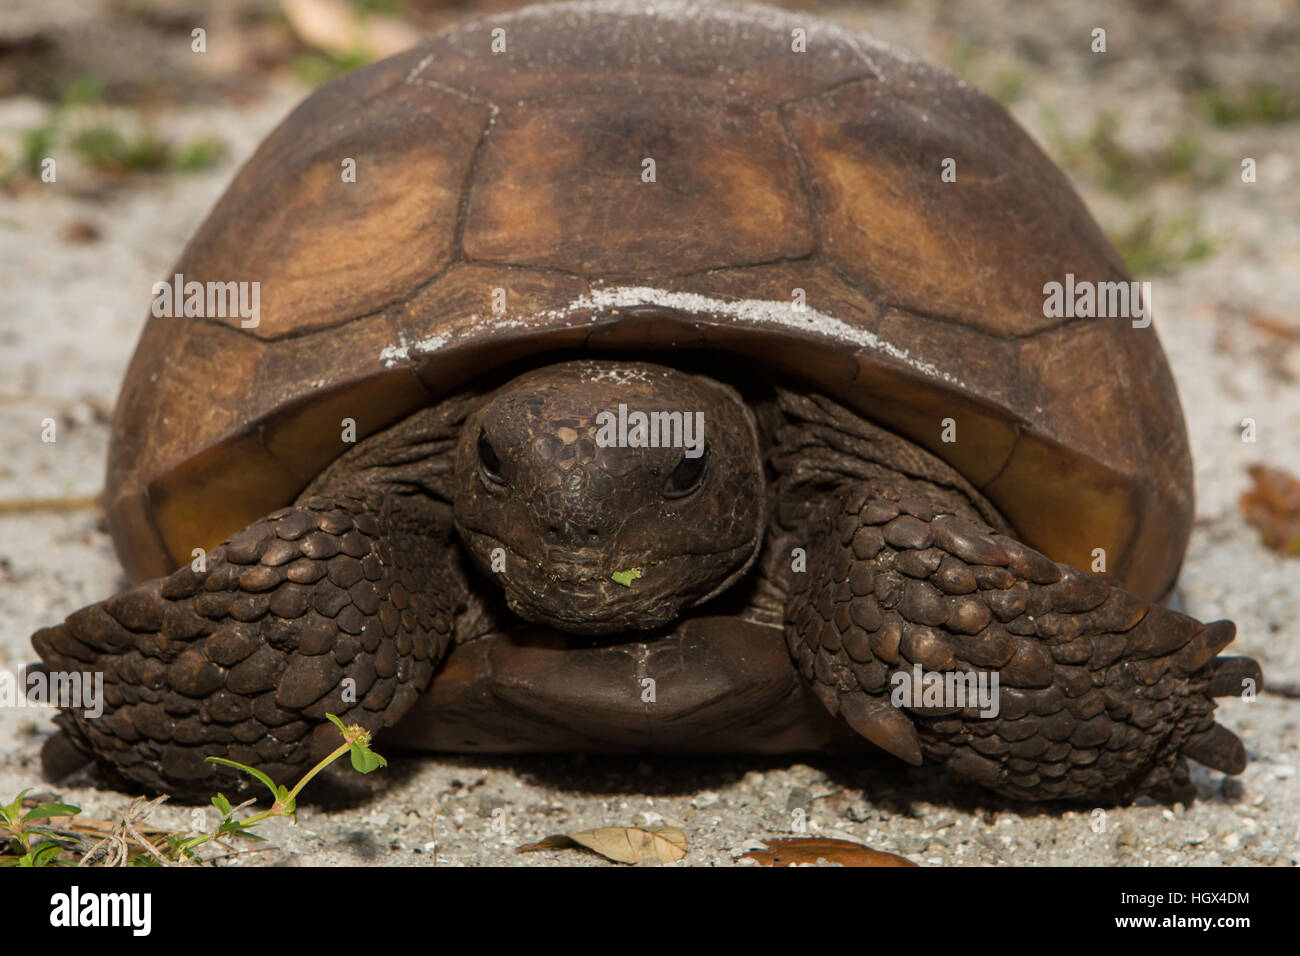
x: 1100, y: 696
x: 331, y: 606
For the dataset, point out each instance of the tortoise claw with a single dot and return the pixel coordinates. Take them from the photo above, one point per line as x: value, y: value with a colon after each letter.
x: 883, y: 724
x: 1229, y: 676
x: 1219, y: 749
x: 62, y: 756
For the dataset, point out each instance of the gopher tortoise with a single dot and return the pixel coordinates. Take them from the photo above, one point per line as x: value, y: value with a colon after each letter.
x: 637, y: 380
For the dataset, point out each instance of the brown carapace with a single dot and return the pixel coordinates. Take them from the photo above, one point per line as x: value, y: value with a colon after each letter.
x: 867, y: 464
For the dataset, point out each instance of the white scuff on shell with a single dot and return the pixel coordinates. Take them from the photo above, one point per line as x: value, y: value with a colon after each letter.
x: 769, y: 313
x: 759, y: 312
x: 390, y: 355
x: 618, y: 375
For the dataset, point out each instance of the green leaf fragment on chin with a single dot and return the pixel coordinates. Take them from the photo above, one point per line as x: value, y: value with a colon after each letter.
x: 626, y: 578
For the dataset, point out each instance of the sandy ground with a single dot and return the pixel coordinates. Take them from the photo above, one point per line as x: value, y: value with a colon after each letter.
x: 70, y: 312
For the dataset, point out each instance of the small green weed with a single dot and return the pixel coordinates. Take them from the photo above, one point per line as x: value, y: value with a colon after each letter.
x: 26, y: 830
x: 30, y: 842
x: 1263, y: 103
x: 1152, y: 245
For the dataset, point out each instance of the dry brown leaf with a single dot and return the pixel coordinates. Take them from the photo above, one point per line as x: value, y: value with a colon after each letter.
x: 80, y: 230
x: 338, y: 28
x: 1273, y: 506
x: 1274, y: 326
x: 621, y: 844
x: 792, y: 851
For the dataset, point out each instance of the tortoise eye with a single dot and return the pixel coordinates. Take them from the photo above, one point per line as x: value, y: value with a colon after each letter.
x: 687, y: 476
x: 489, y: 465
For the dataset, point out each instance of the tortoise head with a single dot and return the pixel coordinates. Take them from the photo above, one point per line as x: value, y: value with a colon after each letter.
x: 608, y: 496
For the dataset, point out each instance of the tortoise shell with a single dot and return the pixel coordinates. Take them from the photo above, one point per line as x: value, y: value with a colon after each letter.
x: 796, y: 217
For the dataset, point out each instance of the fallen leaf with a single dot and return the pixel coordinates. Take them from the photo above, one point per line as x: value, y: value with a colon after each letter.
x: 336, y: 27
x: 1272, y: 505
x: 1274, y: 326
x: 80, y: 230
x: 621, y: 844
x: 793, y: 851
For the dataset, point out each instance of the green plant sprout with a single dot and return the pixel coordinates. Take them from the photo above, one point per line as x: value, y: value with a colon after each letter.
x: 356, y: 741
x: 1152, y: 245
x: 22, y: 833
x: 25, y: 850
x: 106, y: 148
x: 316, y: 67
x: 1262, y: 103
